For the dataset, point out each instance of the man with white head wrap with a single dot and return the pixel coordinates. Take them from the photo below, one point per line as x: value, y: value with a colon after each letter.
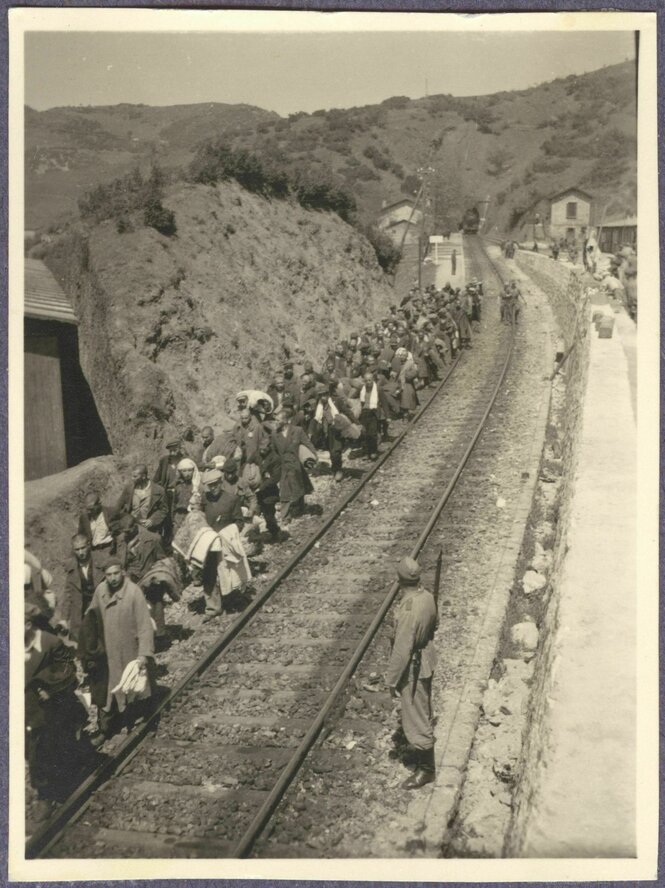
x: 186, y: 487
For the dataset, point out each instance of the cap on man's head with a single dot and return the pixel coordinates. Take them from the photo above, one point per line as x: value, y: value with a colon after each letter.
x: 123, y: 524
x: 408, y: 570
x: 212, y: 476
x: 112, y: 561
x: 288, y: 365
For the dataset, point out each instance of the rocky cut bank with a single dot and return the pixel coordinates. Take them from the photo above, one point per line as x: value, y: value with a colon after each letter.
x: 171, y: 327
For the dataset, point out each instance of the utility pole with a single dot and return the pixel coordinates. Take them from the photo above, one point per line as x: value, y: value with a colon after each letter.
x: 425, y: 173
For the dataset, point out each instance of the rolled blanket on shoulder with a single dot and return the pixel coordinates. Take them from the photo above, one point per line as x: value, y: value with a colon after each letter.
x: 205, y: 541
x: 164, y: 571
x: 346, y: 428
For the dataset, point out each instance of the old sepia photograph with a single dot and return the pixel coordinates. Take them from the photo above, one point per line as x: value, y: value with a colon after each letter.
x: 339, y: 526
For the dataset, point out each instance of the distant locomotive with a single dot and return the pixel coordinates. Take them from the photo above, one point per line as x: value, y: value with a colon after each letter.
x: 471, y: 221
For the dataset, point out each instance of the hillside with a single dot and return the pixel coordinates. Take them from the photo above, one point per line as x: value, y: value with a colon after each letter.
x: 172, y: 327
x: 515, y: 147
x: 70, y: 150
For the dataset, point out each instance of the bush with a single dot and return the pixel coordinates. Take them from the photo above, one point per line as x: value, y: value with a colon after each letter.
x: 380, y: 161
x: 498, y: 161
x: 324, y: 195
x: 158, y: 217
x: 126, y: 195
x: 548, y: 165
x: 387, y: 254
x: 216, y: 161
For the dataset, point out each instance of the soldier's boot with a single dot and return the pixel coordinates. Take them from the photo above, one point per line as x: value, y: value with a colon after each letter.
x: 425, y: 772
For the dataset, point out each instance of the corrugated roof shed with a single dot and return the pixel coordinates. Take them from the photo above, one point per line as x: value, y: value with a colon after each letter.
x: 44, y: 297
x: 620, y: 223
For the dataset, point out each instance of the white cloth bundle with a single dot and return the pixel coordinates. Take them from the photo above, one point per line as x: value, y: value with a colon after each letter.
x: 133, y: 685
x: 233, y: 570
x: 373, y: 397
x: 318, y: 416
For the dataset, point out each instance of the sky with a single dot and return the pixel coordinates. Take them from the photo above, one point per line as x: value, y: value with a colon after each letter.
x: 302, y: 71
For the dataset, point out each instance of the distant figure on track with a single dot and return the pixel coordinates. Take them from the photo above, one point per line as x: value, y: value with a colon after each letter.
x: 411, y: 667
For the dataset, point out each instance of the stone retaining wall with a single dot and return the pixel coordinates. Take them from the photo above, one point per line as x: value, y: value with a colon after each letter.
x: 575, y: 795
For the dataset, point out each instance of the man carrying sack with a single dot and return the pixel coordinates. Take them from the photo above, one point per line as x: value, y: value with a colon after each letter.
x: 411, y: 667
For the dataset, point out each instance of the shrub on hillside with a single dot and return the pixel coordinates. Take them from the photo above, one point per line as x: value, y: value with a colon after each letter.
x: 498, y: 161
x: 158, y: 217
x: 387, y: 254
x: 126, y: 195
x: 548, y: 165
x: 361, y: 173
x: 380, y: 161
x: 322, y: 195
x: 216, y: 162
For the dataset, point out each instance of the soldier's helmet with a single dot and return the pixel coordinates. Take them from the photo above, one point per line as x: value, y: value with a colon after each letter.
x: 408, y: 570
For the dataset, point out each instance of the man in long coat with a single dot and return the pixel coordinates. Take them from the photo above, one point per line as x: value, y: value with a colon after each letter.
x: 411, y: 666
x: 294, y: 484
x: 83, y: 573
x: 123, y: 613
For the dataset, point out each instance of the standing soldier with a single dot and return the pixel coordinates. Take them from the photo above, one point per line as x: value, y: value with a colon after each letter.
x: 411, y: 666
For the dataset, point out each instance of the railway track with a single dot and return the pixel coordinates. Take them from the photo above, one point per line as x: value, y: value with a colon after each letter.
x: 206, y: 776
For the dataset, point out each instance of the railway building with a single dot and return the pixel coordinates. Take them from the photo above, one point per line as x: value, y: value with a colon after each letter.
x: 401, y: 220
x: 570, y: 214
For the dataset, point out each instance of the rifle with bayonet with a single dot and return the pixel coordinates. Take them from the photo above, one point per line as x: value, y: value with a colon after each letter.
x: 437, y: 583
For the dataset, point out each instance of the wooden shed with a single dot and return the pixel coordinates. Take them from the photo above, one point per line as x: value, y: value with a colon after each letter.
x: 61, y: 423
x: 616, y: 233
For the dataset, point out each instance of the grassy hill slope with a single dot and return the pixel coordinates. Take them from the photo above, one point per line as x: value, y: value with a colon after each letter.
x: 515, y: 147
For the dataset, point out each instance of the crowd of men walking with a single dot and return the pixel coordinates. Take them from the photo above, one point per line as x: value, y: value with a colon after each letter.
x: 198, y: 517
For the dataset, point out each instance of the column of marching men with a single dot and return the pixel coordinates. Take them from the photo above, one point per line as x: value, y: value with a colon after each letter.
x: 196, y: 519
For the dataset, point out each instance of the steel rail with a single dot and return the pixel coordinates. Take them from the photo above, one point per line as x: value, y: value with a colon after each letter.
x: 263, y: 816
x: 42, y: 840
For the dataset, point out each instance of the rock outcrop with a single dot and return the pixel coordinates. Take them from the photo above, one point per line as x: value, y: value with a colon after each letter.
x: 172, y: 327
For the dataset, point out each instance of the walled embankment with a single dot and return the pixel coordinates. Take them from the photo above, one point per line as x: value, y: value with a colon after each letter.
x: 576, y: 791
